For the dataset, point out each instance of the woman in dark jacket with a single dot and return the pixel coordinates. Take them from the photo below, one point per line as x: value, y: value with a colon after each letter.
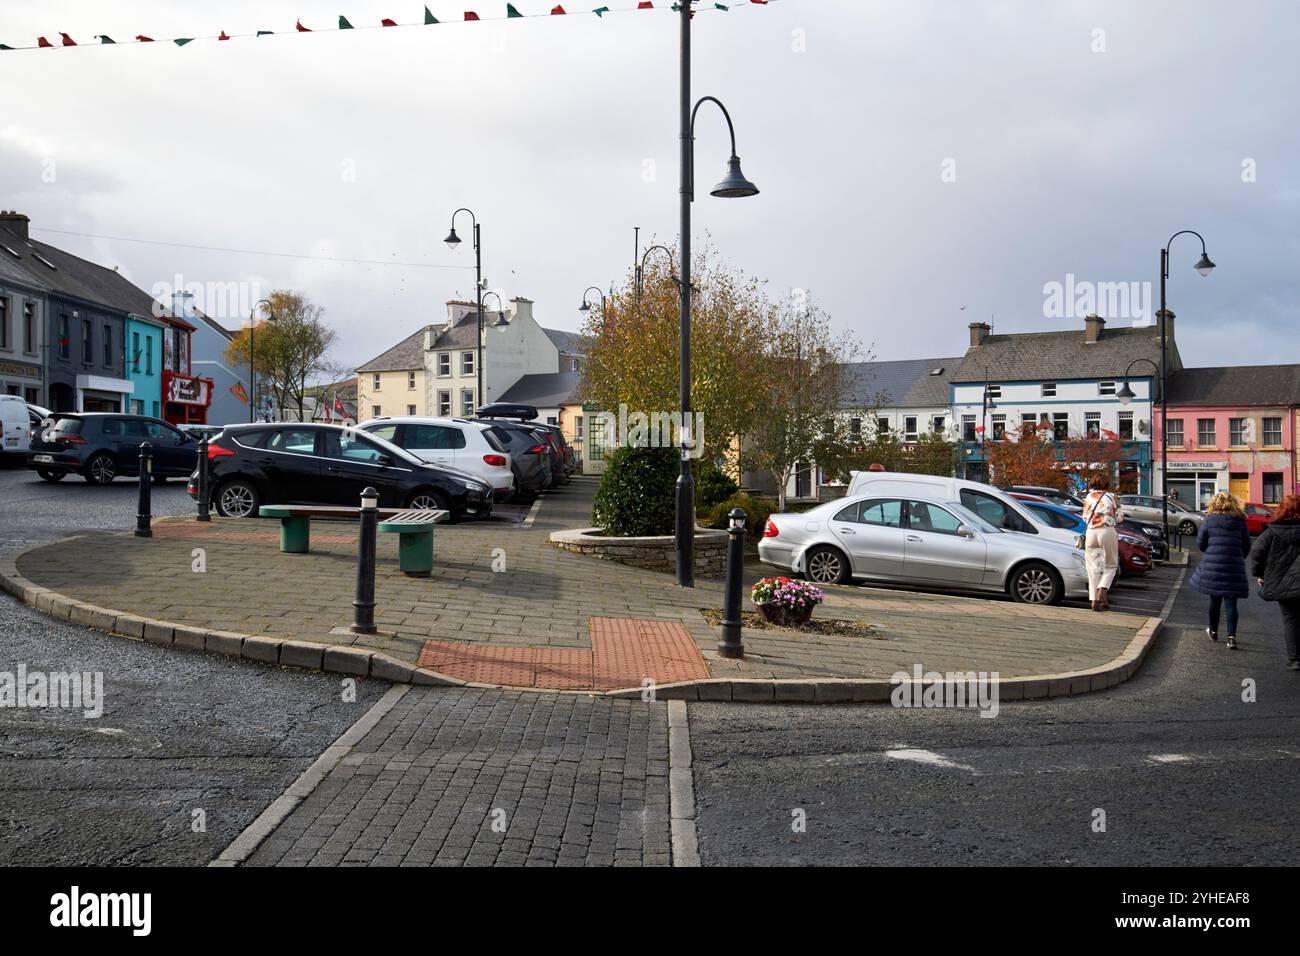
x: 1225, y: 539
x: 1275, y: 563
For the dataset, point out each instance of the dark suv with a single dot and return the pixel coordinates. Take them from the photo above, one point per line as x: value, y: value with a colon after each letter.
x: 530, y: 456
x: 99, y: 446
x: 291, y: 463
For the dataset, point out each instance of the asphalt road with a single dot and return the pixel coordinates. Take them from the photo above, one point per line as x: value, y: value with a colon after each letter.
x: 179, y: 733
x: 1184, y: 770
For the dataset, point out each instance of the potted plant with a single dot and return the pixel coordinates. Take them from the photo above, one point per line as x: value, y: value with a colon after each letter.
x: 785, y: 601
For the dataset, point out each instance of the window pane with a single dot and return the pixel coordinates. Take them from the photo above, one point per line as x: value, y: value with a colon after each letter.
x: 848, y: 514
x: 923, y: 516
x: 886, y: 512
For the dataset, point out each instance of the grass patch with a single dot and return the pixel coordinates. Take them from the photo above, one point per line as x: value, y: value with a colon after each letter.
x: 756, y: 622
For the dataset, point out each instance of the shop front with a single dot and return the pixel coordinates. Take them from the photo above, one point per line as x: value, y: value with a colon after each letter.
x: 186, y: 398
x: 24, y: 380
x: 1196, y: 482
x: 99, y: 393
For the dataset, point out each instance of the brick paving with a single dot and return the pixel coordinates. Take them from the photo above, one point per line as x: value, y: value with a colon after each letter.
x: 473, y: 777
x: 501, y: 585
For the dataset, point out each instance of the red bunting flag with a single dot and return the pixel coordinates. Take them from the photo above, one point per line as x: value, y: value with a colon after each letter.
x: 303, y: 29
x: 67, y: 40
x: 387, y: 23
x: 42, y: 42
x: 645, y: 5
x: 557, y: 11
x: 143, y: 39
x: 223, y: 36
x: 470, y: 15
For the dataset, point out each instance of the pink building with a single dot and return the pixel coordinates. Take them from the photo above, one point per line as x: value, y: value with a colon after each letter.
x: 1232, y: 429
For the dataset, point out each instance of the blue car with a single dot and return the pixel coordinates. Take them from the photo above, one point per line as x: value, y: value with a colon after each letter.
x: 1056, y: 516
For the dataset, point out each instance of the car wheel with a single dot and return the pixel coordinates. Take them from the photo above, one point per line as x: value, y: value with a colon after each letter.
x: 1187, y: 528
x: 51, y: 475
x: 1036, y: 583
x: 237, y: 499
x: 427, y: 501
x: 826, y: 565
x: 101, y: 469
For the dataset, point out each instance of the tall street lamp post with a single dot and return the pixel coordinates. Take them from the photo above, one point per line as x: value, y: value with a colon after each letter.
x: 1126, y: 396
x: 252, y: 355
x: 453, y: 241
x: 734, y: 185
x: 1203, y: 266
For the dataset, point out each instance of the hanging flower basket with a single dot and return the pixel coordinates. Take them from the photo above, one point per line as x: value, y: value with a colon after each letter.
x: 786, y: 602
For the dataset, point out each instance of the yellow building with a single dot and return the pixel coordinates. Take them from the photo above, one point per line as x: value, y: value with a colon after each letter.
x: 394, y: 383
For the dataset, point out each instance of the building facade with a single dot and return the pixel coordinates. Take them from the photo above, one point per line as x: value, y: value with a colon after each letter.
x: 144, y: 363
x: 22, y: 329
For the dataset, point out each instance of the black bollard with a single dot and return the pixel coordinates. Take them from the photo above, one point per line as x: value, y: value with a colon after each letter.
x: 205, y: 493
x: 363, y: 614
x: 731, y: 644
x: 143, y: 513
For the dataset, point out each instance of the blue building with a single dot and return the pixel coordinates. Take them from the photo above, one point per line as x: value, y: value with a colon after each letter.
x: 208, y: 343
x: 144, y: 363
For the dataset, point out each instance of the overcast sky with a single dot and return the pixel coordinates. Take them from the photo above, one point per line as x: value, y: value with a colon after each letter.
x: 922, y: 164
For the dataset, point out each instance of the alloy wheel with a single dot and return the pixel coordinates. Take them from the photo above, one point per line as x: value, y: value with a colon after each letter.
x: 1034, y: 586
x: 824, y: 567
x: 102, y: 469
x: 236, y: 501
x: 1187, y: 528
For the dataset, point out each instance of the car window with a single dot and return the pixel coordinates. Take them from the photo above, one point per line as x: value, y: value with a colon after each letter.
x: 68, y: 426
x: 386, y: 432
x: 1053, y: 518
x: 294, y: 441
x: 923, y: 516
x: 134, y: 428
x: 113, y: 428
x: 355, y: 448
x: 886, y: 512
x: 493, y: 442
x: 849, y: 513
x: 433, y: 437
x: 995, y: 512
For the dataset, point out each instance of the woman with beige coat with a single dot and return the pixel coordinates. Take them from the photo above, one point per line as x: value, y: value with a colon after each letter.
x: 1101, y: 512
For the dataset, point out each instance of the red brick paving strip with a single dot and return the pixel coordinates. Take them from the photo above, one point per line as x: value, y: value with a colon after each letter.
x: 624, y: 653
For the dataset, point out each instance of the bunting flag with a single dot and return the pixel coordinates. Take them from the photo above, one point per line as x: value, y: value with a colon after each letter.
x: 512, y: 12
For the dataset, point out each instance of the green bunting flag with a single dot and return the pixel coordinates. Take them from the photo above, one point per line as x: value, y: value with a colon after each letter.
x: 600, y: 11
x: 511, y: 12
x: 105, y: 39
x: 343, y: 24
x: 265, y: 33
x: 429, y: 18
x: 3, y: 47
x: 181, y: 41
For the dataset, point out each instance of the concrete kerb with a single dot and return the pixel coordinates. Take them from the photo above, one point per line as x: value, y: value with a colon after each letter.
x: 353, y: 661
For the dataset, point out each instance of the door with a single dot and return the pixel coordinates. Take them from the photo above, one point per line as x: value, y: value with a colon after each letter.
x: 172, y: 454
x: 352, y: 462
x: 871, y: 532
x: 430, y: 442
x: 935, y: 552
x: 1239, y: 486
x: 803, y: 480
x: 290, y: 466
x: 123, y: 437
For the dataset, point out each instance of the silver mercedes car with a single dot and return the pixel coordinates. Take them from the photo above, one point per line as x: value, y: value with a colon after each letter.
x: 923, y: 542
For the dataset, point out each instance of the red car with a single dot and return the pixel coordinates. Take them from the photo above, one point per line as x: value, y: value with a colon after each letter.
x: 1134, y: 558
x: 1257, y: 516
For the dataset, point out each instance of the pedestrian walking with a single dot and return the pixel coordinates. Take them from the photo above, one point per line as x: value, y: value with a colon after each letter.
x: 1224, y: 539
x: 1101, y: 512
x: 1275, y: 563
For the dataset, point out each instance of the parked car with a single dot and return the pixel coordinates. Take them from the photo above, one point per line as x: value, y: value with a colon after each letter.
x: 570, y: 458
x: 1147, y: 508
x: 454, y: 443
x: 1055, y: 496
x: 296, y: 463
x: 530, y: 460
x: 911, y: 539
x: 560, y: 473
x: 200, y: 432
x: 1072, y: 518
x: 1055, y: 515
x: 1257, y: 517
x: 994, y: 506
x: 100, y: 446
x: 1134, y: 555
x: 15, y: 427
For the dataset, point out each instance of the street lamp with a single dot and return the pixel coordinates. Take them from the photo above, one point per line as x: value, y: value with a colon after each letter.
x: 1203, y: 266
x: 640, y: 268
x: 586, y: 306
x: 988, y: 405
x: 453, y: 242
x: 252, y: 354
x: 733, y: 185
x: 501, y: 306
x: 1126, y: 396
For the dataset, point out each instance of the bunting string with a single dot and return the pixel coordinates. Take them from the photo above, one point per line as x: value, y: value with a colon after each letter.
x: 512, y: 12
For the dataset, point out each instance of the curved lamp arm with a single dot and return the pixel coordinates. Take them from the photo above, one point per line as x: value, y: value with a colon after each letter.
x: 1203, y: 266
x: 731, y: 129
x: 640, y: 270
x: 586, y: 307
x: 452, y: 239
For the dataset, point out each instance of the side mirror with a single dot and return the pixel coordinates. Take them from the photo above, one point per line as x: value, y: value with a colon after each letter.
x: 965, y: 531
x: 384, y: 461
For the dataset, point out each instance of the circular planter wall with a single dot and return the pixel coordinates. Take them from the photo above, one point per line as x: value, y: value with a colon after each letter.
x: 656, y: 553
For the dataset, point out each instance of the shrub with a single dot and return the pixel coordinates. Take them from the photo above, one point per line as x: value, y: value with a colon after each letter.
x: 636, y: 493
x: 712, y: 486
x: 757, y: 511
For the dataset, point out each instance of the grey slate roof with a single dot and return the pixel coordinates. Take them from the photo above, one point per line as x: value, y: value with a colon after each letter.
x: 544, y: 389
x: 906, y: 383
x: 405, y: 356
x: 1047, y: 356
x: 75, y: 277
x: 1246, y: 385
x: 570, y: 342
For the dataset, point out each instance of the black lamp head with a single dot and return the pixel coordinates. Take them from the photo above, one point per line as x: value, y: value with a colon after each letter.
x: 734, y: 185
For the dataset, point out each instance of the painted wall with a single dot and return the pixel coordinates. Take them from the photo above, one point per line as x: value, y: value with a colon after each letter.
x: 207, y: 358
x: 395, y: 394
x: 1250, y: 458
x: 144, y: 364
x: 84, y: 363
x: 22, y: 368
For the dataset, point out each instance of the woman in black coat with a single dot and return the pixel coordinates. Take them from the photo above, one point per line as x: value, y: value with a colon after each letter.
x: 1225, y: 540
x: 1275, y: 563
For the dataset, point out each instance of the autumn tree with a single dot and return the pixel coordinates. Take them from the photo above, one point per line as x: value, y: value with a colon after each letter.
x: 291, y: 348
x: 1029, y: 459
x: 1087, y: 457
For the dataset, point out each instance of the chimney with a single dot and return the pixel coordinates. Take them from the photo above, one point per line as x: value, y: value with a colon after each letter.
x: 1092, y: 326
x: 457, y: 309
x: 429, y: 336
x: 523, y: 308
x: 978, y: 332
x: 15, y: 222
x: 1168, y: 318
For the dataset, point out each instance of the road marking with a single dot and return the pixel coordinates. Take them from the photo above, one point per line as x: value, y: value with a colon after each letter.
x: 242, y: 847
x: 1170, y: 758
x: 926, y: 757
x: 532, y: 513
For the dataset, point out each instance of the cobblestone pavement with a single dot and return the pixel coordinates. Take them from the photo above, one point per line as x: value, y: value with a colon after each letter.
x: 475, y: 777
x: 504, y: 584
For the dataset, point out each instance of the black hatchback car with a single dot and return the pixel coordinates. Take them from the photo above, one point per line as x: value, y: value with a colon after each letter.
x: 292, y: 463
x: 99, y: 446
x: 530, y: 458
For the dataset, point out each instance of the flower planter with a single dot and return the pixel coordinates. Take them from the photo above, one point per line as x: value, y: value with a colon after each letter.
x: 785, y: 615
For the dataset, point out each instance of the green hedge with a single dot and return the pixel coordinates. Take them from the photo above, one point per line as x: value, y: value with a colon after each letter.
x: 636, y: 493
x: 712, y: 486
x: 757, y: 511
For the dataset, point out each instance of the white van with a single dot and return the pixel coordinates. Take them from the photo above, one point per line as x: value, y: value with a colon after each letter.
x: 996, y: 507
x: 15, y: 427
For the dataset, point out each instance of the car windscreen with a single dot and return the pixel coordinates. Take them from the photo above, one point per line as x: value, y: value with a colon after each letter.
x: 493, y: 441
x: 396, y: 453
x: 69, y: 426
x: 971, y: 518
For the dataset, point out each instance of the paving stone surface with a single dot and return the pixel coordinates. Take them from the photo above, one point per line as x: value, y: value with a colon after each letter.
x: 501, y: 584
x: 465, y: 776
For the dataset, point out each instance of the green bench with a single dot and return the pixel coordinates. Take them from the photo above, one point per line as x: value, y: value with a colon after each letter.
x: 414, y: 528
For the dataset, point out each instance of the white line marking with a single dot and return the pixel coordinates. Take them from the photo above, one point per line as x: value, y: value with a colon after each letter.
x: 926, y: 757
x: 532, y: 513
x: 1169, y: 758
